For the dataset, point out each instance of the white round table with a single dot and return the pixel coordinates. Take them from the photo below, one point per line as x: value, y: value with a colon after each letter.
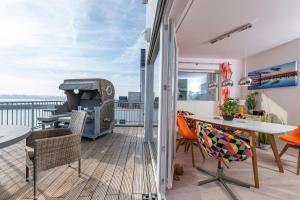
x: 10, y: 135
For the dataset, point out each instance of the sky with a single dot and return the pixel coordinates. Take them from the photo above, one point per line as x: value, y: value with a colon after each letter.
x: 43, y: 42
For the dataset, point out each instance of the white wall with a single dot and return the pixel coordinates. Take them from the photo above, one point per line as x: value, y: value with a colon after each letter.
x: 284, y: 102
x: 202, y: 108
x: 209, y: 108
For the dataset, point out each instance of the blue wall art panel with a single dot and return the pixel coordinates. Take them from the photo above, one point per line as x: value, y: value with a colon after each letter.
x: 283, y: 75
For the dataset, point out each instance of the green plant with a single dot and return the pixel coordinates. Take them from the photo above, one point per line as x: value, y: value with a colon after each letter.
x: 263, y: 137
x: 266, y: 117
x: 251, y: 101
x: 230, y: 106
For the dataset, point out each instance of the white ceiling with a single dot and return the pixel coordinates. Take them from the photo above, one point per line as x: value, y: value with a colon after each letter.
x: 277, y: 22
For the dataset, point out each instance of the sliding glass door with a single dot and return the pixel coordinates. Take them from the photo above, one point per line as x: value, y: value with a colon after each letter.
x: 156, y: 108
x: 160, y: 122
x: 152, y: 106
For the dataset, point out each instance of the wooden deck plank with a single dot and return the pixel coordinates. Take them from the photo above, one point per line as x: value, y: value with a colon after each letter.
x: 91, y: 184
x: 59, y: 181
x: 146, y: 188
x: 115, y: 183
x: 151, y: 176
x: 96, y: 176
x: 112, y: 197
x: 89, y: 187
x: 151, y: 183
x: 127, y: 181
x: 99, y: 159
x: 136, y: 196
x: 138, y: 183
x: 83, y: 198
x: 94, y: 159
x: 103, y: 185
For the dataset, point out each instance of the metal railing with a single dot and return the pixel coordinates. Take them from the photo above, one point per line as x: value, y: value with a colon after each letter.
x: 132, y: 113
x: 26, y: 112
x: 129, y: 114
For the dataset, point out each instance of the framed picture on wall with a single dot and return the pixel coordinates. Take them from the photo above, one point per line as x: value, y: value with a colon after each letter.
x: 284, y: 75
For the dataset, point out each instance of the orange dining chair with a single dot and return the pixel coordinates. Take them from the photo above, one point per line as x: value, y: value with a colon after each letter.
x: 293, y: 141
x: 188, y: 136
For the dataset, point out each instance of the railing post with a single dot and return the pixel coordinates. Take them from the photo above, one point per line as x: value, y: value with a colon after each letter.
x: 32, y: 115
x: 7, y: 106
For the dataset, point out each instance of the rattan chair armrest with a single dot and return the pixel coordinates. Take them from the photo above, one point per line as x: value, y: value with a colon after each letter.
x: 47, y: 133
x: 56, y: 151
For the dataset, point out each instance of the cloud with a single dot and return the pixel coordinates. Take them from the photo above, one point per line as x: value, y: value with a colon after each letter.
x: 44, y: 42
x: 132, y: 53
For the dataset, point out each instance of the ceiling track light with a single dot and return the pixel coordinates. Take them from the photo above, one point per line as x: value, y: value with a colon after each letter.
x: 229, y: 33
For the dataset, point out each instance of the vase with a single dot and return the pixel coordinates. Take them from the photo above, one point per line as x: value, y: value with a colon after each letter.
x: 250, y: 111
x: 228, y: 117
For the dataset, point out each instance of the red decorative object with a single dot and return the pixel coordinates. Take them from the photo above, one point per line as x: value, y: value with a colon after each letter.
x: 226, y: 73
x: 225, y: 92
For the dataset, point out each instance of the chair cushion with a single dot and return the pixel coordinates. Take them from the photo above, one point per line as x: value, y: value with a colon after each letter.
x: 222, y: 145
x: 293, y: 138
x: 184, y: 130
x: 30, y: 152
x: 190, y: 122
x: 184, y: 113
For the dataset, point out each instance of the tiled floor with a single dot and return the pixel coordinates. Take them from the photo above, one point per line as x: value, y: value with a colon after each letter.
x: 273, y: 185
x: 116, y: 166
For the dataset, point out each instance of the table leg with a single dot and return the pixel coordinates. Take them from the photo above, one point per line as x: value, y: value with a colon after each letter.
x: 275, y: 152
x: 254, y: 159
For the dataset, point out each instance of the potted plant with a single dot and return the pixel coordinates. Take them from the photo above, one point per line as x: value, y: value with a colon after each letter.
x: 229, y: 108
x: 263, y: 137
x: 251, y: 102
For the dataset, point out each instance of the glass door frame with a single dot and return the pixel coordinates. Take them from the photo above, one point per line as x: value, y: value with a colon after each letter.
x: 149, y: 108
x: 167, y: 49
x: 168, y: 135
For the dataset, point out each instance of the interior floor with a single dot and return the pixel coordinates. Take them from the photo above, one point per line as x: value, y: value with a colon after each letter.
x: 273, y: 184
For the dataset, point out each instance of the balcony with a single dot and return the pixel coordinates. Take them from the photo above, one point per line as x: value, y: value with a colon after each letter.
x: 116, y: 166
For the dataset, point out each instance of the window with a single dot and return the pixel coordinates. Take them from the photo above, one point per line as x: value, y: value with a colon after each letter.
x: 156, y: 91
x: 194, y: 86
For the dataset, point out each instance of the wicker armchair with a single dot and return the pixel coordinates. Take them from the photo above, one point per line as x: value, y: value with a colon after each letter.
x: 46, y: 149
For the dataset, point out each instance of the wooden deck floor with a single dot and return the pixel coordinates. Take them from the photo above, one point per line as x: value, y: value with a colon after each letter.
x: 116, y: 166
